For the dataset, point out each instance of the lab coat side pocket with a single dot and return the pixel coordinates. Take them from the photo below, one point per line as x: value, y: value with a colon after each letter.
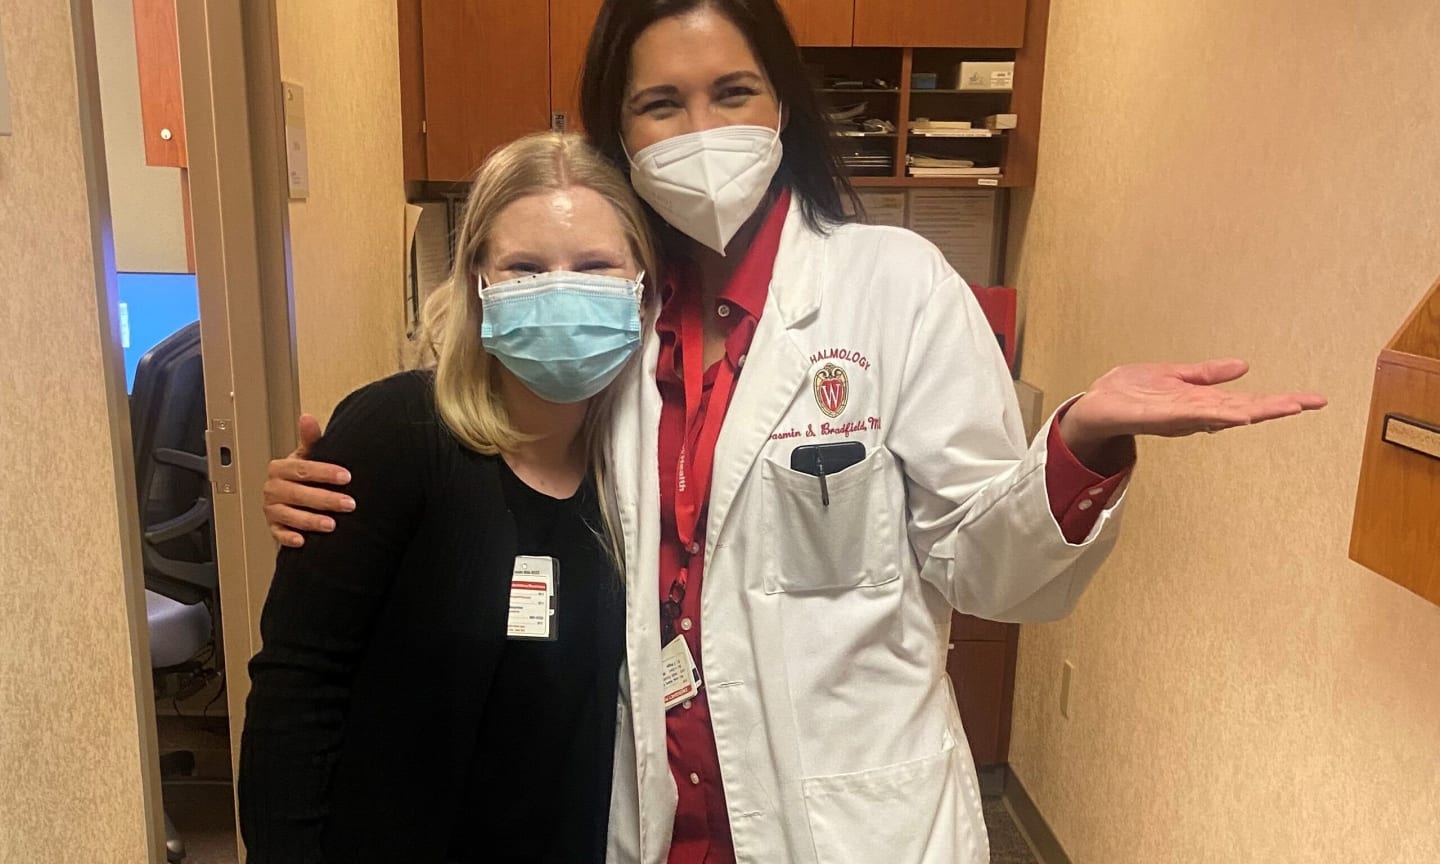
x: 851, y: 543
x: 917, y: 812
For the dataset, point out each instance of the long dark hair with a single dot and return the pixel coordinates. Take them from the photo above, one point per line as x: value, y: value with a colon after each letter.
x: 810, y: 166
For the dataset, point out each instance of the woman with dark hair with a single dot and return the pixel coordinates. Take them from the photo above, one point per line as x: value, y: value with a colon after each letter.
x: 839, y: 464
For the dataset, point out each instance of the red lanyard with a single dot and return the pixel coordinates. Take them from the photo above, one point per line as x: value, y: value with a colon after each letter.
x: 697, y: 450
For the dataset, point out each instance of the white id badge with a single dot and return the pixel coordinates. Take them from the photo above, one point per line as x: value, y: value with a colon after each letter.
x: 681, y: 679
x: 532, y: 598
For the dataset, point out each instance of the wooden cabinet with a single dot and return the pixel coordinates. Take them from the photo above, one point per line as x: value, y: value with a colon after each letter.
x: 162, y: 108
x: 1396, y: 532
x: 412, y: 90
x: 476, y: 74
x: 940, y: 23
x: 821, y: 23
x: 481, y: 87
x: 982, y: 670
x: 570, y: 24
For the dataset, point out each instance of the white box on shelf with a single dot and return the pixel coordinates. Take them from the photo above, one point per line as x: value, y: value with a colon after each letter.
x: 1000, y: 121
x: 986, y: 75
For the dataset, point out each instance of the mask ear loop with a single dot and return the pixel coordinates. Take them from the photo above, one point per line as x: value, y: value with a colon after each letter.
x: 781, y: 127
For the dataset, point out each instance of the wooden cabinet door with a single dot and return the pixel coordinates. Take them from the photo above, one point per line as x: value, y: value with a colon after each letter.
x: 977, y: 671
x: 982, y: 669
x: 482, y: 89
x: 162, y: 109
x: 412, y: 90
x: 940, y: 23
x: 821, y: 23
x: 570, y: 24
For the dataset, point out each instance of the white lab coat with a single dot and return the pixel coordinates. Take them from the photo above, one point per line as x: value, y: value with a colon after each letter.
x: 825, y: 628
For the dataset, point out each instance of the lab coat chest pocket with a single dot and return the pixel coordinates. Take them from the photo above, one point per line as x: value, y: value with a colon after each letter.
x: 852, y: 543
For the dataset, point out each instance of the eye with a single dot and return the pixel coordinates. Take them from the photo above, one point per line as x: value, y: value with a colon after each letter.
x: 596, y: 265
x: 523, y: 267
x: 736, y: 95
x: 659, y: 106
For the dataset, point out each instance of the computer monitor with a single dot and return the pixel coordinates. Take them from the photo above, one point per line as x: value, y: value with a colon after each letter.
x: 152, y: 306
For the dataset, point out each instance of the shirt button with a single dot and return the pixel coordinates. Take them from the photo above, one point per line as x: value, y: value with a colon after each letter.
x: 694, y: 779
x: 1086, y: 504
x: 1097, y: 491
x: 694, y: 548
x: 687, y: 704
x: 686, y: 624
x: 723, y: 311
x: 741, y: 361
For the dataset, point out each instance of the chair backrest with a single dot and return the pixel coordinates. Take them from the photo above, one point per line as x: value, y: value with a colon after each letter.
x: 167, y: 411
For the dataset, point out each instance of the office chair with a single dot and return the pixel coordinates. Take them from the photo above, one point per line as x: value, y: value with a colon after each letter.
x: 167, y: 417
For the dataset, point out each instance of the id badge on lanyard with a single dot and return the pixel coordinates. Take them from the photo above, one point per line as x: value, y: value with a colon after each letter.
x: 680, y: 675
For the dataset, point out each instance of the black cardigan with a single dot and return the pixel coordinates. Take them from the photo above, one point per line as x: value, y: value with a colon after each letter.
x: 380, y: 644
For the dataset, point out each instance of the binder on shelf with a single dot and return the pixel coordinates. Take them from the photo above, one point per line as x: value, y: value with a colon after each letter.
x: 1396, y: 530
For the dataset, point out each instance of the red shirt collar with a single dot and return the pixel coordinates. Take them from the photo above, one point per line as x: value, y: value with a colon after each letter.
x: 749, y: 285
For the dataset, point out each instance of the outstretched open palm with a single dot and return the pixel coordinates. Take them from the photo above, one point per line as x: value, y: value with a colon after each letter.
x: 1173, y: 400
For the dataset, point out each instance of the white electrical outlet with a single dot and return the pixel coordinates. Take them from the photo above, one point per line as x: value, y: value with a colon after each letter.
x: 1067, y: 680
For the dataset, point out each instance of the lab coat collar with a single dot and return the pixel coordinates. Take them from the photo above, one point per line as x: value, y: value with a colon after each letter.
x: 795, y: 286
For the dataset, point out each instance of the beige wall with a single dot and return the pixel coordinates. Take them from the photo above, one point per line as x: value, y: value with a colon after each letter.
x: 147, y: 214
x: 347, y: 238
x: 69, y: 734
x: 1256, y: 178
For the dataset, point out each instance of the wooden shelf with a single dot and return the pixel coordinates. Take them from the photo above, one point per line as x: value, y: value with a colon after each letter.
x: 920, y: 91
x: 872, y: 182
x: 1014, y: 150
x: 967, y: 135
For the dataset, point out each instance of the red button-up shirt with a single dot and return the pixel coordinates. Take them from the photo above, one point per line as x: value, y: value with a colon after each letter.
x: 702, y: 826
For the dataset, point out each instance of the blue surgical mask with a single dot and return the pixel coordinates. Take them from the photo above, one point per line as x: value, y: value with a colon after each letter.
x: 566, y: 336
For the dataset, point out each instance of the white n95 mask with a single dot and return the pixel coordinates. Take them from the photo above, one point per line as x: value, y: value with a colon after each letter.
x: 707, y: 183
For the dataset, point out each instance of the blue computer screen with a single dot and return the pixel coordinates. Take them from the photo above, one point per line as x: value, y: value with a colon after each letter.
x: 152, y: 306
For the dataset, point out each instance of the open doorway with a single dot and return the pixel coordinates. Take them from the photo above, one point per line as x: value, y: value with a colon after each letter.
x: 193, y: 165
x: 136, y: 48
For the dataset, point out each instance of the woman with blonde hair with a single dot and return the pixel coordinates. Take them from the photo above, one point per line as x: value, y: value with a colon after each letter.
x: 438, y: 679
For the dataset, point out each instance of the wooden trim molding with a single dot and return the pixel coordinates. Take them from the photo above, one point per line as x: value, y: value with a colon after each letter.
x: 1027, y: 816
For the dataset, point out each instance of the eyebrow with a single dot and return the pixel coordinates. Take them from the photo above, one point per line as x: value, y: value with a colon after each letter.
x: 661, y: 90
x: 511, y: 256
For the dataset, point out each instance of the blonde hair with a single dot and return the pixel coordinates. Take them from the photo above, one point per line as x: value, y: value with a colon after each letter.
x: 466, y: 394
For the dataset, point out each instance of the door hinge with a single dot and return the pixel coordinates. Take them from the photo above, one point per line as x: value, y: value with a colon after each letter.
x: 424, y: 127
x: 220, y: 449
